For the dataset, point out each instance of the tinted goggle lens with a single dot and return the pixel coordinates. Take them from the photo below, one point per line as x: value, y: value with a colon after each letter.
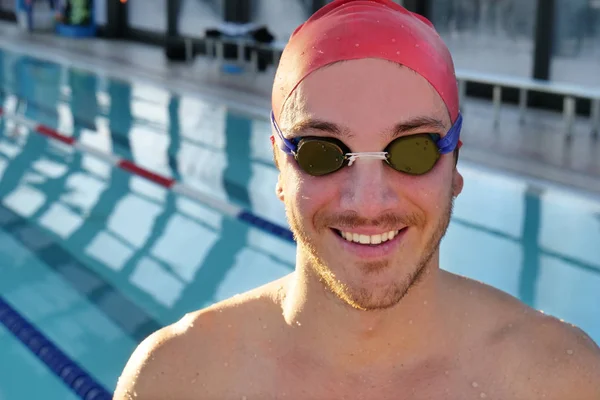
x: 415, y: 155
x: 319, y: 157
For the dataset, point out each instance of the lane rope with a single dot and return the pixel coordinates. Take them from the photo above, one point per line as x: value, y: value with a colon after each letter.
x: 169, y: 183
x: 75, y: 377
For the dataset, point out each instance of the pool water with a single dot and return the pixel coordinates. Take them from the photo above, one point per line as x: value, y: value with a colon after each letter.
x: 96, y: 258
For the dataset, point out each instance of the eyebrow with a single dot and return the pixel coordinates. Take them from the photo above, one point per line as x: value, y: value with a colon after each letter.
x: 319, y: 125
x: 432, y: 124
x: 399, y: 129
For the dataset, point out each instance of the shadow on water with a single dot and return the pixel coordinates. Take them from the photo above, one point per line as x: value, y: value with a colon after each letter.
x: 233, y: 237
x: 531, y: 247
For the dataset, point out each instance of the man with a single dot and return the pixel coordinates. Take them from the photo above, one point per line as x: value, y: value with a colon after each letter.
x: 365, y: 133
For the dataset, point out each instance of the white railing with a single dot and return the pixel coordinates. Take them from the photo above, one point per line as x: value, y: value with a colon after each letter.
x: 570, y: 92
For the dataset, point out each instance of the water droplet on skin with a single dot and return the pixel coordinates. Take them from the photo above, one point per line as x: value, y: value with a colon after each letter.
x: 570, y: 352
x: 417, y: 45
x: 425, y: 302
x: 393, y: 40
x: 483, y: 395
x: 226, y: 364
x: 298, y: 322
x: 410, y: 322
x: 264, y: 327
x: 398, y: 52
x: 446, y: 373
x: 356, y: 45
x: 229, y: 326
x: 244, y: 398
x: 474, y: 384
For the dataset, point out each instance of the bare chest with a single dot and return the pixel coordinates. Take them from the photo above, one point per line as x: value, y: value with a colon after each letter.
x: 424, y: 382
x: 332, y: 389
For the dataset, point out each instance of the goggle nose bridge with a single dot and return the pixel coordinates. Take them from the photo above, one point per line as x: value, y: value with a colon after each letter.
x: 377, y: 155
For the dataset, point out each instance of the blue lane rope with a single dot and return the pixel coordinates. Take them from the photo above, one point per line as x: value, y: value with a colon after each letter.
x: 75, y: 377
x: 267, y: 226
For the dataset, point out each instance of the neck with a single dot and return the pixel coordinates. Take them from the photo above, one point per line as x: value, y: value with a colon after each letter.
x: 338, y: 333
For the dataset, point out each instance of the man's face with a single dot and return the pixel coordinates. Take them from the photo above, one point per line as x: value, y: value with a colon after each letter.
x: 367, y: 99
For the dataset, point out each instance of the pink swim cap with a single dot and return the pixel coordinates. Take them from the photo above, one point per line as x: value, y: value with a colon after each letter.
x: 355, y: 29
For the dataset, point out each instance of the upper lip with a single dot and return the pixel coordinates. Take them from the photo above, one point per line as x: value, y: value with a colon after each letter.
x: 368, y: 231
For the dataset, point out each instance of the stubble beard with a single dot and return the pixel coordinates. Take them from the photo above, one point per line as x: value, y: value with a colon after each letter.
x: 368, y: 299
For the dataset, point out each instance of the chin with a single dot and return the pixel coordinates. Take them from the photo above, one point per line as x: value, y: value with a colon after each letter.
x: 371, y: 299
x: 370, y: 285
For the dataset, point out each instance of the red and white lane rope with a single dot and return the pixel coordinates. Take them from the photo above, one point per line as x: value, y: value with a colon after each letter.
x: 167, y: 182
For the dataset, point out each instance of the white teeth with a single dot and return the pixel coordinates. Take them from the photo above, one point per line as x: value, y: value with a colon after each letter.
x: 369, y: 239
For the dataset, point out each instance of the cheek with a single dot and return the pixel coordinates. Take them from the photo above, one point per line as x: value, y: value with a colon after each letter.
x: 309, y: 194
x: 430, y: 193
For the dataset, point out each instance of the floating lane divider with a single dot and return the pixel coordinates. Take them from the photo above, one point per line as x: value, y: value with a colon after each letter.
x: 167, y: 182
x: 75, y: 377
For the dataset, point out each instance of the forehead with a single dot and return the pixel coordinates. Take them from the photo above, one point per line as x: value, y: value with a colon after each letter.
x: 365, y: 94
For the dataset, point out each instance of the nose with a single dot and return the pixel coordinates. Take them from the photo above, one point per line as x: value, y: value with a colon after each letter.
x: 368, y: 189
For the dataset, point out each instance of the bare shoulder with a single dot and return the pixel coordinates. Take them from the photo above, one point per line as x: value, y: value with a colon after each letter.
x: 190, y: 357
x: 549, y: 358
x: 569, y: 359
x: 540, y: 355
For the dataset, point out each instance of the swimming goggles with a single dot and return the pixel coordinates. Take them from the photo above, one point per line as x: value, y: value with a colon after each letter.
x: 412, y: 154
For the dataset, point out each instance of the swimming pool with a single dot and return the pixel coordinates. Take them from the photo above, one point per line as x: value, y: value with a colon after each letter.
x: 95, y: 258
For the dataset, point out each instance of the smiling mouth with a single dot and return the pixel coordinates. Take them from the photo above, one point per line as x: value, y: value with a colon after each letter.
x: 372, y: 240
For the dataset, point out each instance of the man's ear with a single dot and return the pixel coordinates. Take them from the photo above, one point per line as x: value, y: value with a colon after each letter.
x: 278, y: 185
x: 279, y: 188
x: 457, y: 183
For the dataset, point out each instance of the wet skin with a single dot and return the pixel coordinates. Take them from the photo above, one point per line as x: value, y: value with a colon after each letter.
x: 360, y: 321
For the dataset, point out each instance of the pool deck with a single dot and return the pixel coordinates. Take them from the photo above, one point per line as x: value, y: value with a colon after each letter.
x: 536, y: 149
